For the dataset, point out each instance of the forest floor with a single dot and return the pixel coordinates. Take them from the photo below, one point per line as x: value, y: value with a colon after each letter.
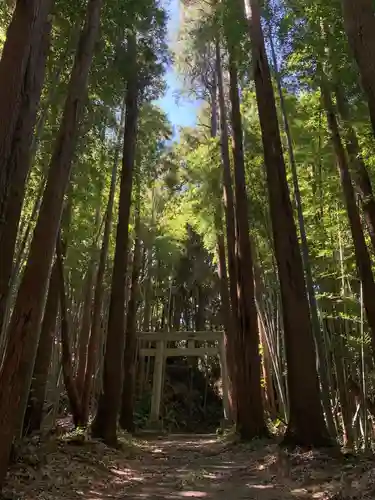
x: 180, y: 467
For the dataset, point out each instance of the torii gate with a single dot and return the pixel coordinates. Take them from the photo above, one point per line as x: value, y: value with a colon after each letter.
x: 161, y: 353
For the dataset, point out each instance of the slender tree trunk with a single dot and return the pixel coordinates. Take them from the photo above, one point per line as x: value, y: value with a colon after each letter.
x: 94, y: 342
x: 270, y: 336
x: 230, y: 222
x: 66, y: 354
x: 249, y: 415
x: 23, y: 403
x: 214, y: 106
x: 346, y: 414
x: 269, y: 391
x: 25, y: 237
x: 148, y: 293
x: 54, y: 86
x: 34, y: 412
x: 356, y: 390
x: 359, y: 22
x: 310, y: 287
x: 19, y: 159
x: 147, y: 310
x: 226, y: 313
x: 228, y: 195
x: 306, y: 425
x: 361, y: 176
x: 105, y: 423
x: 362, y: 255
x: 20, y: 59
x: 127, y: 402
x: 84, y: 335
x: 24, y: 328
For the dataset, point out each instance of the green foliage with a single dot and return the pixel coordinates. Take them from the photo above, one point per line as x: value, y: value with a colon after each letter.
x: 180, y: 184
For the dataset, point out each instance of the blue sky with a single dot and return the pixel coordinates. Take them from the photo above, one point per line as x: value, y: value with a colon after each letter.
x: 183, y: 113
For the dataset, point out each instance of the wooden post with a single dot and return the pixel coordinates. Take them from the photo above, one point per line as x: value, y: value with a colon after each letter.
x: 157, y: 383
x: 191, y: 347
x: 224, y: 378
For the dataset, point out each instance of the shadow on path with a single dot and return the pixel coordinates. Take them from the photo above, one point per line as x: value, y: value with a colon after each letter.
x: 181, y: 467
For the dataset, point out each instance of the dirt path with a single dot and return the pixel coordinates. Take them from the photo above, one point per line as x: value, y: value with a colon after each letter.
x: 178, y: 467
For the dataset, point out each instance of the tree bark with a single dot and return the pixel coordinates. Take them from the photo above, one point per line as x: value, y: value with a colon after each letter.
x: 362, y: 179
x: 226, y: 310
x: 228, y: 195
x: 19, y: 258
x: 24, y: 328
x: 34, y: 412
x: 305, y: 254
x: 94, y: 342
x: 22, y: 46
x: 362, y: 255
x: 306, y: 425
x: 105, y: 423
x: 249, y: 410
x: 359, y: 22
x: 19, y: 159
x: 66, y: 354
x: 227, y: 318
x: 230, y: 222
x: 84, y: 334
x: 127, y: 402
x: 147, y: 309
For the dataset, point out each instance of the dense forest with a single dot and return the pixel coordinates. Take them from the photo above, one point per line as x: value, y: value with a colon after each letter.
x: 259, y: 222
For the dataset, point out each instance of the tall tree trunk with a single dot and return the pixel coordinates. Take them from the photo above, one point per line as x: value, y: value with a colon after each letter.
x: 228, y: 195
x: 19, y: 159
x: 214, y: 106
x: 362, y: 256
x: 148, y: 294
x: 147, y: 310
x: 19, y: 63
x: 310, y: 287
x: 66, y: 352
x: 105, y: 423
x: 34, y: 412
x: 226, y: 311
x: 84, y: 334
x: 130, y: 351
x: 362, y: 179
x: 226, y: 314
x: 94, y: 342
x: 359, y: 22
x: 24, y: 328
x: 23, y: 246
x: 306, y: 425
x: 249, y: 415
x: 230, y: 222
